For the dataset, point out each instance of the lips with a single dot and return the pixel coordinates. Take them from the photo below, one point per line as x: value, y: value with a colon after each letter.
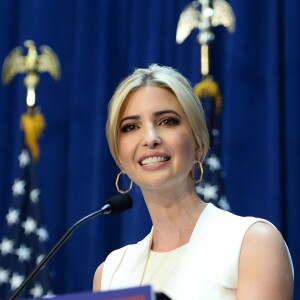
x: 153, y: 160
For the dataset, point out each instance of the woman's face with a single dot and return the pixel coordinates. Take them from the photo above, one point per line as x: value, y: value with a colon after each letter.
x: 156, y: 144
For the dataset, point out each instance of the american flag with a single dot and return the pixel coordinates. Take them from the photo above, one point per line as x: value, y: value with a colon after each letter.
x: 24, y: 240
x: 211, y: 188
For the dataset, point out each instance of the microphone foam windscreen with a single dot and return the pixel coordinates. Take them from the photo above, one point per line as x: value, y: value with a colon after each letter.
x: 120, y: 203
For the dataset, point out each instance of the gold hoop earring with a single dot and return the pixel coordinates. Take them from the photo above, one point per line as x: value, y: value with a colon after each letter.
x: 117, y: 184
x: 201, y: 171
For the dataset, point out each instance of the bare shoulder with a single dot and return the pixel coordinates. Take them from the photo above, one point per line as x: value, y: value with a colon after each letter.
x: 264, y: 270
x: 97, y: 278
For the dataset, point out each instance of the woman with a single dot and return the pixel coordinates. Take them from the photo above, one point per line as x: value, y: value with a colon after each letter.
x: 157, y: 135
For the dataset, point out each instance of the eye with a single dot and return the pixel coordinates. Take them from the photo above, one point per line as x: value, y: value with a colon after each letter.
x: 169, y: 121
x: 129, y: 128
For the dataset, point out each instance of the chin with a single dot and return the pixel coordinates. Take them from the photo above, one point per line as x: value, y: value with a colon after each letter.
x: 161, y: 185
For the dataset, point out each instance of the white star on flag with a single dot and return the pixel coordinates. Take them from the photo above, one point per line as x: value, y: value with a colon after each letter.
x: 23, y: 242
x: 24, y: 158
x: 24, y: 253
x: 7, y: 246
x: 12, y: 216
x: 224, y: 203
x: 16, y: 280
x: 39, y: 258
x: 213, y: 162
x: 37, y: 290
x: 42, y: 234
x: 18, y: 187
x: 4, y: 275
x: 29, y: 225
x: 49, y: 295
x: 34, y: 195
x: 208, y: 191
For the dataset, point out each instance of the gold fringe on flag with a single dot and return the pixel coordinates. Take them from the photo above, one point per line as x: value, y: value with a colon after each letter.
x: 209, y: 88
x: 33, y: 125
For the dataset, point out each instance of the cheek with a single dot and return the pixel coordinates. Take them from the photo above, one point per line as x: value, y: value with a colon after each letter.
x: 126, y: 149
x: 185, y: 145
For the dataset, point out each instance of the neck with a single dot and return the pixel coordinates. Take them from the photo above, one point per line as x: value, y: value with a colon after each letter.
x: 174, y: 217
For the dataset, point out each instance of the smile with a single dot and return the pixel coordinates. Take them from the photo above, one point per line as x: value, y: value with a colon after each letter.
x: 153, y: 160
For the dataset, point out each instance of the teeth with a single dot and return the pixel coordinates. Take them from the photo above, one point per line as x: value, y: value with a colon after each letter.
x: 153, y: 160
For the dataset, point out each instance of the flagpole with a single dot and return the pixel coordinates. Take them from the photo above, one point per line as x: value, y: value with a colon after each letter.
x: 25, y: 235
x: 204, y: 58
x: 204, y: 15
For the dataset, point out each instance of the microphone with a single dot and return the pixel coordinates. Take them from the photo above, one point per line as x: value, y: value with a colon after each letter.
x: 113, y: 205
x: 117, y: 204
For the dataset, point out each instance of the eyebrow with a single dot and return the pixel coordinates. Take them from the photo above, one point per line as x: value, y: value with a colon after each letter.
x: 156, y: 114
x: 167, y: 111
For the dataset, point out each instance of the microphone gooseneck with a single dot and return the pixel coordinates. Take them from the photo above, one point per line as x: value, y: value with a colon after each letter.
x: 113, y: 205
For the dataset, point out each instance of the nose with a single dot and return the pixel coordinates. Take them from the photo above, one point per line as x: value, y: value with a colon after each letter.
x: 151, y: 138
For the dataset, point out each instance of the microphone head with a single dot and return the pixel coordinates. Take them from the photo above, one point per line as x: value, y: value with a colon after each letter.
x: 119, y: 203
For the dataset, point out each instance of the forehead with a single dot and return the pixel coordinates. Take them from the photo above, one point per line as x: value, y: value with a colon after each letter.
x: 150, y: 98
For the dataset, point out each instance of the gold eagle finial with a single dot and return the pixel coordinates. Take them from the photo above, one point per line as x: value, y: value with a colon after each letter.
x: 203, y: 15
x: 16, y: 63
x: 32, y: 64
x: 213, y: 14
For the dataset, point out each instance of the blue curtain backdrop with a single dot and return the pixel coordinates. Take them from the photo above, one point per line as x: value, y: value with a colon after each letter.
x: 101, y: 41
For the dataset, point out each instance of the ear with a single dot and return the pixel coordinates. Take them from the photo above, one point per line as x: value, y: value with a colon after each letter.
x: 198, y: 152
x: 120, y: 163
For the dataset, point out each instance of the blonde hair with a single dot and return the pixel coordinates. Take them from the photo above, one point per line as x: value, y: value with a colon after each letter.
x: 164, y: 77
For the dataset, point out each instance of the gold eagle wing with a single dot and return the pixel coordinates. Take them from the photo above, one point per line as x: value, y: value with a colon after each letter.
x: 14, y: 63
x: 189, y: 19
x: 49, y: 62
x: 223, y: 15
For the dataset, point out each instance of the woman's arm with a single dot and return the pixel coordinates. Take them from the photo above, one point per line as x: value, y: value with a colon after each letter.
x: 97, y: 278
x: 265, y: 270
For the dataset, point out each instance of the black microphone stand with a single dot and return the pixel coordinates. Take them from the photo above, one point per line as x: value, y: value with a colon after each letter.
x: 106, y: 209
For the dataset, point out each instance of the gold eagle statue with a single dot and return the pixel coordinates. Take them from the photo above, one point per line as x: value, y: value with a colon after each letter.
x: 31, y: 64
x: 219, y: 12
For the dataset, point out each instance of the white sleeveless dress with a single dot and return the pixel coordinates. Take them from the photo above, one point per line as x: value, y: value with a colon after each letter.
x: 206, y: 269
x: 160, y: 267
